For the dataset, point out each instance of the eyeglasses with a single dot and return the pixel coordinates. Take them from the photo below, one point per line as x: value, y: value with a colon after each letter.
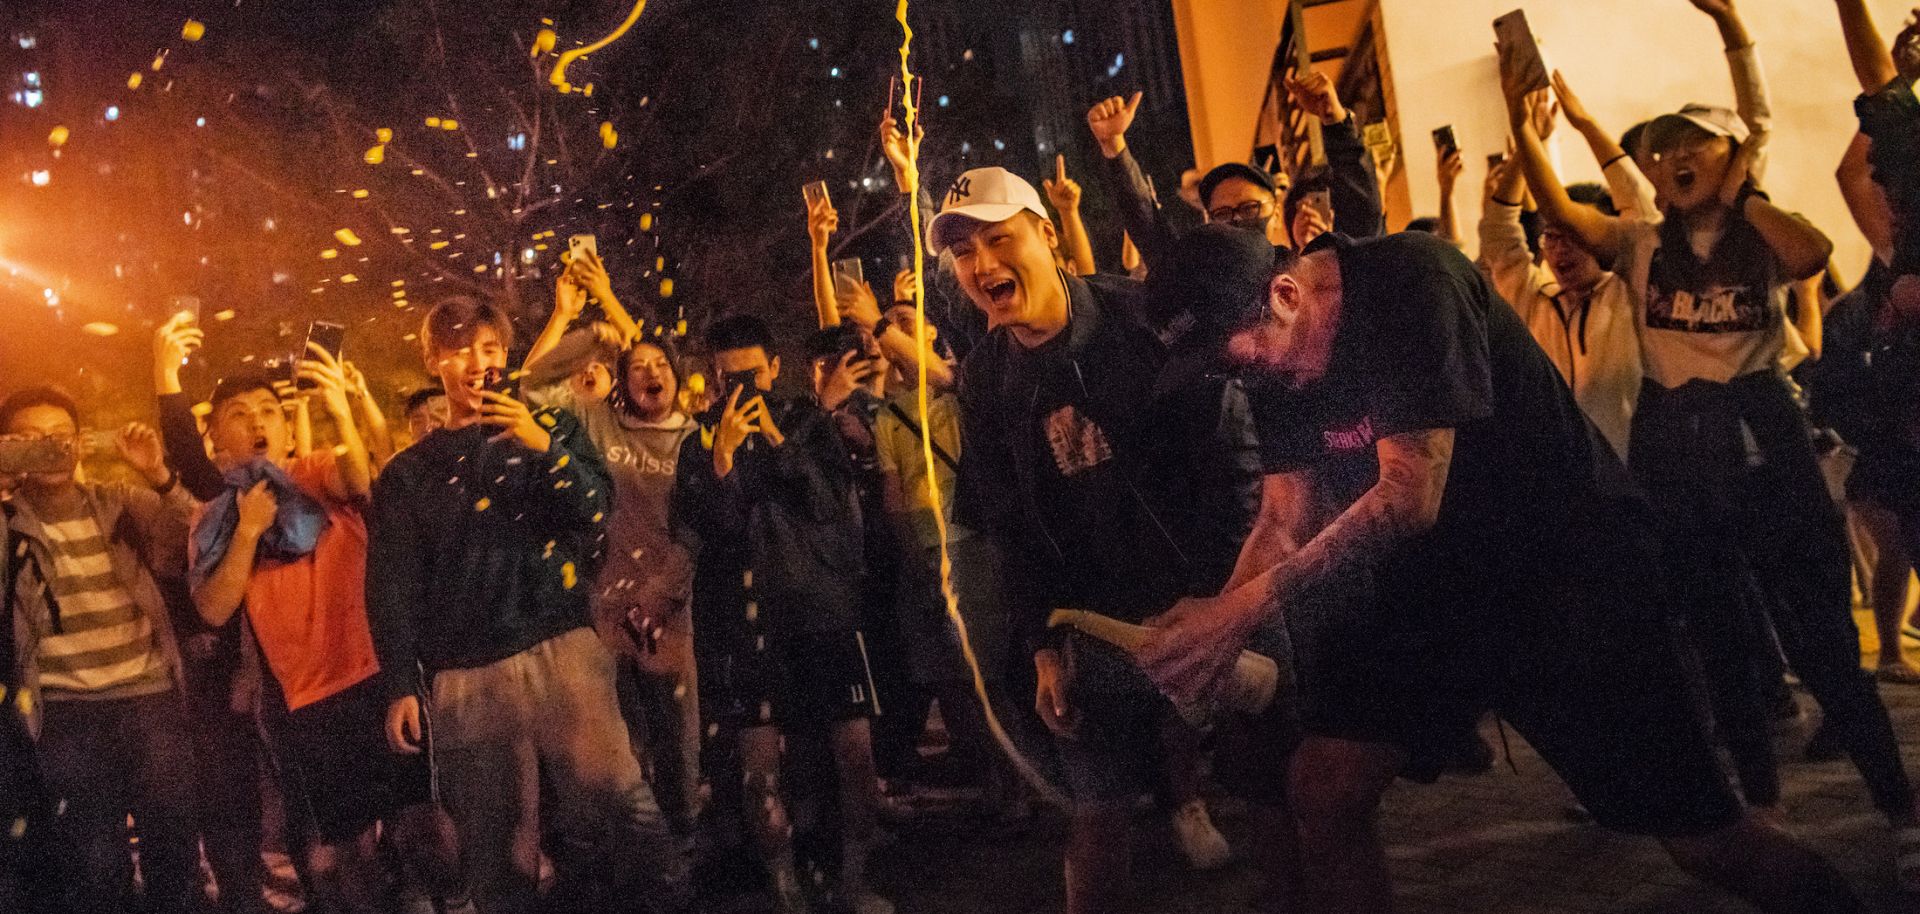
x: 65, y: 438
x: 1245, y: 212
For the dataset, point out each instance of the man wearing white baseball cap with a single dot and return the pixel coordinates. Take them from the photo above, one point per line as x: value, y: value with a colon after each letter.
x: 1116, y: 486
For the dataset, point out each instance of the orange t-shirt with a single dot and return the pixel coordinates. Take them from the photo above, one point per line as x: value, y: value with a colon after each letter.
x: 310, y: 615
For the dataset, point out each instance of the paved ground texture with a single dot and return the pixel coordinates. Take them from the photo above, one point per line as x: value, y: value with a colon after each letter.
x: 1499, y: 843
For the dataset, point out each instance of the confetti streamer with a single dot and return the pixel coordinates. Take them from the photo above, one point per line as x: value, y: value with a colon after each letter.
x: 559, y: 77
x: 194, y: 30
x: 1040, y: 784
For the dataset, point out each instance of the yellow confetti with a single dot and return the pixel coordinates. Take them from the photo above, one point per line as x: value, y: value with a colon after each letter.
x: 133, y: 82
x: 588, y: 91
x: 666, y: 287
x: 193, y: 30
x: 540, y: 247
x: 349, y: 278
x: 24, y: 698
x: 449, y: 124
x: 203, y: 409
x: 58, y: 137
x: 329, y: 254
x: 479, y: 268
x: 375, y: 155
x: 360, y: 194
x: 559, y: 77
x: 483, y: 504
x: 100, y: 328
x: 543, y: 42
x: 680, y: 327
x: 549, y: 553
x: 696, y: 384
x: 646, y: 222
x: 660, y: 263
x: 398, y: 283
x: 608, y: 136
x: 159, y: 60
x: 546, y: 420
x: 567, y: 576
x: 347, y: 237
x: 433, y: 122
x: 384, y: 134
x: 225, y: 315
x: 439, y: 244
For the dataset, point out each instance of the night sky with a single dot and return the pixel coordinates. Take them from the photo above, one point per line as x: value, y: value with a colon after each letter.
x: 238, y: 170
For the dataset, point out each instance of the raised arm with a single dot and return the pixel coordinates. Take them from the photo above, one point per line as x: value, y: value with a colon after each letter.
x: 858, y: 305
x: 1631, y: 191
x: 569, y: 299
x: 1064, y: 193
x: 373, y: 420
x: 353, y: 470
x: 186, y: 449
x: 822, y: 221
x: 1450, y: 167
x: 1140, y: 214
x: 1598, y: 231
x: 590, y: 273
x: 1503, y: 242
x: 1353, y: 182
x: 1867, y: 50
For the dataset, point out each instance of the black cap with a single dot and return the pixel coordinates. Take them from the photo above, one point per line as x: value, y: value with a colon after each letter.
x: 1217, y: 273
x: 1241, y: 170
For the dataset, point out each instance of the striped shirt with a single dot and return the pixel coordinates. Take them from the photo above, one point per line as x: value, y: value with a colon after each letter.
x: 106, y: 645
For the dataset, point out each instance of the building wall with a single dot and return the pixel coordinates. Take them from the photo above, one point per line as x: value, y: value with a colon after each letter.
x: 1628, y: 60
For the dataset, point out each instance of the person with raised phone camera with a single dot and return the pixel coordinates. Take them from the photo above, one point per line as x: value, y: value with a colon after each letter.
x: 286, y: 544
x: 483, y: 541
x: 97, y: 670
x: 768, y: 487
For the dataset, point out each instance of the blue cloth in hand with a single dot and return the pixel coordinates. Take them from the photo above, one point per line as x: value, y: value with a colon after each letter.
x: 296, y: 529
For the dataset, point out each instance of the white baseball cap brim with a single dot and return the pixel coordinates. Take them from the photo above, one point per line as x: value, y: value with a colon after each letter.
x: 979, y: 212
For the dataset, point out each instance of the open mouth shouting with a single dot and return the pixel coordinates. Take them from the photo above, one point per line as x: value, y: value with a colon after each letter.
x: 1000, y: 291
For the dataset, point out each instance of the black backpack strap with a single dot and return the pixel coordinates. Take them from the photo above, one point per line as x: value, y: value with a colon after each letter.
x: 914, y: 427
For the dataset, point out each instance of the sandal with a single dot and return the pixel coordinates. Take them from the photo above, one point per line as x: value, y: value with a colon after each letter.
x: 1906, y: 859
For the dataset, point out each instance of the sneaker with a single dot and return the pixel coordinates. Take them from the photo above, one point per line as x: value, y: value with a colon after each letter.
x: 1205, y: 847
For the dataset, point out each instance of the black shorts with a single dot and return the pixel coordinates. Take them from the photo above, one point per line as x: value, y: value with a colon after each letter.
x: 1115, y: 753
x: 1577, y: 653
x: 337, y: 771
x: 797, y: 681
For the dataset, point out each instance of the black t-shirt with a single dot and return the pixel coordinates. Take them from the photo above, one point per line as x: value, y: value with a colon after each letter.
x: 1424, y: 343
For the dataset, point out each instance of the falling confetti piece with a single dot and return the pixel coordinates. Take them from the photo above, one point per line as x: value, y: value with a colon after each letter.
x: 347, y: 237
x: 646, y: 222
x: 133, y: 82
x: 349, y: 278
x: 543, y: 42
x: 753, y: 611
x: 608, y: 136
x: 329, y: 254
x: 100, y: 328
x: 546, y: 420
x: 449, y: 124
x: 375, y: 155
x: 567, y: 576
x: 483, y: 504
x: 159, y: 60
x: 439, y: 244
x: 193, y: 30
x: 384, y: 134
x: 226, y: 315
x: 679, y: 328
x: 58, y: 137
x: 433, y: 122
x: 549, y: 553
x: 360, y: 194
x: 666, y: 288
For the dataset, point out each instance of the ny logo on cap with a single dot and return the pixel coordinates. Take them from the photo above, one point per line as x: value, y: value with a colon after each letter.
x: 962, y: 187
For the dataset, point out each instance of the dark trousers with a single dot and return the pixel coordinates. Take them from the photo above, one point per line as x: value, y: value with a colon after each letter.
x: 226, y: 747
x: 106, y: 760
x: 1750, y: 528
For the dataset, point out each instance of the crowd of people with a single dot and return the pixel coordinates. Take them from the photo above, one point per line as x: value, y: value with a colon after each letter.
x: 603, y: 619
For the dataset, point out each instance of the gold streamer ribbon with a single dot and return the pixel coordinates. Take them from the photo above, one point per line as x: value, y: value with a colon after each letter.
x: 1020, y: 762
x: 559, y: 77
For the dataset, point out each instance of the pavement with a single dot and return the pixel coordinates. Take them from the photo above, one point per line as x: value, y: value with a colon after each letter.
x: 1498, y: 843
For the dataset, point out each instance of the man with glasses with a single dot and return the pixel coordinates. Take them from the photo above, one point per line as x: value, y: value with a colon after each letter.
x: 1343, y: 195
x: 96, y: 659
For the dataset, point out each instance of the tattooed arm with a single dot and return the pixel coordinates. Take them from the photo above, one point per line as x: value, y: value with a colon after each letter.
x: 1201, y: 638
